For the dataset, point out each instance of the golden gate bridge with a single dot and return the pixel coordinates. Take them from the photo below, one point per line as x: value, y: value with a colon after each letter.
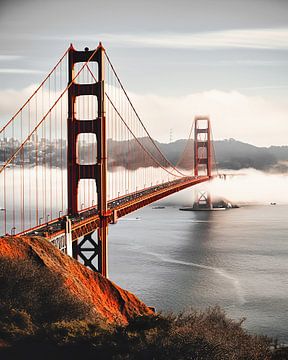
x: 77, y: 156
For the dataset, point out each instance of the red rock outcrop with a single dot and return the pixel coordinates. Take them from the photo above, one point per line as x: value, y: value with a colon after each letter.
x: 108, y: 300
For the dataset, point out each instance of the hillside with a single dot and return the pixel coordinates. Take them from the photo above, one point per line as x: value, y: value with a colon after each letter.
x: 233, y: 154
x: 106, y: 299
x: 52, y: 307
x: 230, y: 154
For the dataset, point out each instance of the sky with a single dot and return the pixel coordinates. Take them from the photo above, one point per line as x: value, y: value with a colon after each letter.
x: 227, y: 59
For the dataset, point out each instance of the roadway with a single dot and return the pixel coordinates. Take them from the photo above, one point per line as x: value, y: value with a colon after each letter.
x: 87, y: 219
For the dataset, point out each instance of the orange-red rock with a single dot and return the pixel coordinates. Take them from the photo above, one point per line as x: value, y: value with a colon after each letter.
x: 107, y: 299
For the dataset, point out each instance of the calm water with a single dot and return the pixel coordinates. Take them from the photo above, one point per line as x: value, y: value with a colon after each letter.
x: 237, y: 259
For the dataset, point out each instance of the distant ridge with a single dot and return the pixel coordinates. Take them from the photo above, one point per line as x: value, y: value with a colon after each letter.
x: 234, y: 154
x: 230, y: 154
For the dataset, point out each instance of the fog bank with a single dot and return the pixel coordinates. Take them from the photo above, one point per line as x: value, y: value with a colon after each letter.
x: 246, y: 186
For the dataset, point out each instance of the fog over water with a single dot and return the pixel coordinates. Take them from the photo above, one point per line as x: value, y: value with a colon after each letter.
x: 245, y: 186
x: 252, y: 186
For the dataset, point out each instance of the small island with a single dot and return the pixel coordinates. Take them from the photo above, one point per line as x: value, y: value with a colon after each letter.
x: 206, y: 205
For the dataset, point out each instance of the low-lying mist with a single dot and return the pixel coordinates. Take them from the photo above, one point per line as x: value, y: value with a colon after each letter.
x: 245, y: 186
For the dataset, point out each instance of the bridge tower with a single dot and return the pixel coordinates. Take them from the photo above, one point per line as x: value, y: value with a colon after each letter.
x: 89, y: 249
x: 202, y: 146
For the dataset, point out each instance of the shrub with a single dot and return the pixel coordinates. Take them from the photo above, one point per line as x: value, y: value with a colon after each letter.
x: 15, y: 324
x: 76, y: 332
x: 206, y: 334
x: 34, y: 289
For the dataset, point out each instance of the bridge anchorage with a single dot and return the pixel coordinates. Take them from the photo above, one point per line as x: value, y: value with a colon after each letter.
x: 108, y: 147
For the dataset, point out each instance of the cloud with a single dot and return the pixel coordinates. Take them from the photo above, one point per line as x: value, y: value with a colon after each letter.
x: 20, y: 71
x: 275, y: 38
x: 10, y: 57
x: 248, y: 186
x: 242, y: 62
x: 253, y: 187
x: 252, y: 119
x: 11, y: 100
x: 269, y: 87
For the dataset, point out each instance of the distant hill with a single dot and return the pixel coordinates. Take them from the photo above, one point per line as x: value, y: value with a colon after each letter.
x: 233, y: 154
x: 230, y: 154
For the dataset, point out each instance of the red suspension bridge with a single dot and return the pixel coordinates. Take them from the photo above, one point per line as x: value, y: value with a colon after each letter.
x: 77, y: 156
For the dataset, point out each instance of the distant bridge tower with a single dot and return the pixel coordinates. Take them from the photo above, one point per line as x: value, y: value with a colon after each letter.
x: 202, y: 146
x: 89, y: 249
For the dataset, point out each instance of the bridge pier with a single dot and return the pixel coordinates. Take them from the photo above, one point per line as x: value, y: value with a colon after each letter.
x: 92, y: 249
x: 68, y: 234
x: 89, y: 251
x: 203, y: 200
x: 103, y: 243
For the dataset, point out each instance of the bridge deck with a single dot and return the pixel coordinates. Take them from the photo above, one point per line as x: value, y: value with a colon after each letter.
x: 87, y: 221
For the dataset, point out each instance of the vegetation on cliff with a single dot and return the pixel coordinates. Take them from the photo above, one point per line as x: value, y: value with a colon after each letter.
x: 40, y: 317
x: 106, y: 300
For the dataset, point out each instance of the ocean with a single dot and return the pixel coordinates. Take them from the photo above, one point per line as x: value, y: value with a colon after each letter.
x: 237, y: 259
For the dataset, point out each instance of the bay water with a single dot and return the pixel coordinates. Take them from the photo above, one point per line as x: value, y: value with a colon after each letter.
x: 237, y: 259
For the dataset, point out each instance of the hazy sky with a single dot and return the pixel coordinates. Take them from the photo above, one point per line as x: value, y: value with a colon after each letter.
x: 225, y: 58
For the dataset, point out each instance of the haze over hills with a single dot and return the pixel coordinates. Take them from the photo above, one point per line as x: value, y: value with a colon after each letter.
x: 230, y: 154
x: 235, y: 155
